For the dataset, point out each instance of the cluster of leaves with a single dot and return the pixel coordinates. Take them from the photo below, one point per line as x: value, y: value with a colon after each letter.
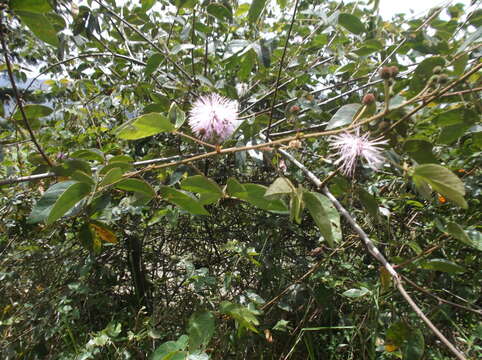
x: 140, y: 243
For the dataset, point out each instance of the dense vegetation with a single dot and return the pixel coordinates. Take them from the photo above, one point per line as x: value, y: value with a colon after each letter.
x: 127, y: 233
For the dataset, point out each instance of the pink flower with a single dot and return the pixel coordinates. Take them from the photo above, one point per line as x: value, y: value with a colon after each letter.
x: 349, y: 147
x: 213, y: 118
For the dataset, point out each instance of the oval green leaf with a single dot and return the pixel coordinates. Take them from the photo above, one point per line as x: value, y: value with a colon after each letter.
x: 351, y: 23
x: 184, y: 200
x: 144, y: 126
x: 441, y: 180
x: 343, y: 116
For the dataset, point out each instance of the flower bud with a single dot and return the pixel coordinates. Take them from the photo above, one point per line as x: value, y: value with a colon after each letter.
x: 368, y: 99
x: 385, y: 73
x: 394, y: 71
x: 294, y: 109
x: 443, y: 78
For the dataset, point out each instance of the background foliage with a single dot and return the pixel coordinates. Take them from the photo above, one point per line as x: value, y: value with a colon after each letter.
x: 122, y: 251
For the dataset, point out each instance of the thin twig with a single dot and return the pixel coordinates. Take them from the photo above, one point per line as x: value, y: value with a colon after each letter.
x: 269, y: 145
x: 425, y: 291
x: 152, y: 43
x: 373, y: 250
x: 194, y: 139
x: 402, y: 42
x: 281, y: 68
x: 17, y: 96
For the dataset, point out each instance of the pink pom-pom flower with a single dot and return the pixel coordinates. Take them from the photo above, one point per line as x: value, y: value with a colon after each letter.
x: 351, y: 146
x: 213, y: 118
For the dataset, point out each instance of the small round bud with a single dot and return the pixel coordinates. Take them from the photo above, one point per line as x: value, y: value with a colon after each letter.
x: 443, y: 78
x: 294, y: 109
x: 385, y: 73
x: 383, y: 125
x: 368, y: 99
x: 437, y: 70
x: 294, y: 144
x: 394, y: 71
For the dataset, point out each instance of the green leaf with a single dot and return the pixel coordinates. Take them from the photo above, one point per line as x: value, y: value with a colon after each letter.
x: 460, y: 234
x: 33, y: 111
x: 369, y: 202
x: 89, y: 240
x: 56, y: 21
x: 244, y: 316
x: 420, y: 150
x: 255, y: 196
x: 184, y: 200
x: 356, y: 293
x: 343, y: 116
x: 34, y: 6
x: 397, y: 333
x: 282, y: 3
x: 188, y: 4
x: 450, y: 134
x: 296, y: 205
x: 422, y: 74
x: 441, y: 180
x: 235, y: 189
x: 255, y: 10
x: 68, y: 167
x: 153, y: 63
x: 144, y: 126
x: 113, y: 175
x: 40, y: 25
x: 200, y: 329
x: 147, y: 4
x: 280, y: 187
x: 334, y: 217
x: 351, y: 23
x: 81, y: 176
x: 176, y: 116
x: 57, y: 200
x: 246, y: 65
x: 210, y: 191
x: 314, y: 204
x: 414, y: 345
x: 219, y: 11
x: 450, y: 117
x: 88, y: 154
x: 137, y: 186
x: 441, y: 265
x: 124, y: 166
x: 171, y: 350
